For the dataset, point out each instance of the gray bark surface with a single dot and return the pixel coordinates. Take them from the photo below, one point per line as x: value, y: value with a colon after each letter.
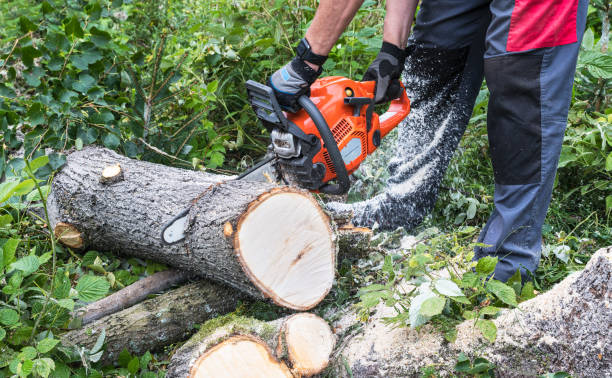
x: 127, y: 217
x: 568, y: 328
x: 157, y: 322
x: 131, y: 295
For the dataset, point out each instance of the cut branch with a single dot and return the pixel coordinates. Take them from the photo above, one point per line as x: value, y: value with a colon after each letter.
x: 157, y: 322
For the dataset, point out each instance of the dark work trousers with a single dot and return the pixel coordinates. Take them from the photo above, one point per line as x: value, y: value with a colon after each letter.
x: 527, y: 51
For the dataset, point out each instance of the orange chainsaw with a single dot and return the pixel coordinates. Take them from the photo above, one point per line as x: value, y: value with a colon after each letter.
x: 305, y: 149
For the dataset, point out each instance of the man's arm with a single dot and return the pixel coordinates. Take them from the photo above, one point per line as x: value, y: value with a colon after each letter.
x: 331, y: 18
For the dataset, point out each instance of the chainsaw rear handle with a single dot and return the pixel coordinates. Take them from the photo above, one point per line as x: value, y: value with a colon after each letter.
x: 398, y: 110
x: 332, y: 148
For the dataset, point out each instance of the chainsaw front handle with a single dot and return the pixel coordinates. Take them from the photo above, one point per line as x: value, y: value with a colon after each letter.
x: 329, y: 143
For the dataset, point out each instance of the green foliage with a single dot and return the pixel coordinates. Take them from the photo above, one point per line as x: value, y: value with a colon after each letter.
x: 469, y: 292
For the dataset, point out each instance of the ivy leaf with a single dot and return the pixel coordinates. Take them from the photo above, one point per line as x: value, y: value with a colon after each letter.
x: 488, y: 329
x: 68, y: 97
x: 92, y: 288
x: 448, y: 288
x: 502, y: 291
x: 432, y: 306
x: 486, y: 265
x: 73, y: 27
x: 25, y: 25
x: 45, y: 345
x: 8, y: 316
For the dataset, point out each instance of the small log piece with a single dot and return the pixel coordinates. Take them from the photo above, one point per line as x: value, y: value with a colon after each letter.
x: 68, y: 235
x: 233, y: 347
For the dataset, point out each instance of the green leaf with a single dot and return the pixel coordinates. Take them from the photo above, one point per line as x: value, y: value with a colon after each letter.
x: 124, y: 358
x: 26, y: 26
x: 28, y: 264
x: 528, y: 291
x: 100, y: 38
x: 134, y: 365
x: 36, y: 114
x: 490, y: 310
x: 56, y: 160
x: 85, y: 83
x: 502, y: 291
x: 73, y: 27
x: 45, y: 345
x: 92, y: 288
x: 432, y: 306
x: 84, y: 59
x: 7, y: 189
x: 5, y: 220
x: 99, y: 342
x: 32, y: 76
x: 66, y: 303
x: 145, y: 359
x: 448, y: 288
x: 111, y: 141
x: 486, y: 265
x: 2, y: 333
x: 488, y: 329
x: 588, y: 39
x: 468, y: 314
x: 416, y: 319
x: 26, y: 368
x: 44, y: 366
x: 28, y: 54
x: 39, y: 162
x: 8, y: 316
x: 24, y: 187
x: 609, y: 162
x: 609, y: 202
x: 8, y: 251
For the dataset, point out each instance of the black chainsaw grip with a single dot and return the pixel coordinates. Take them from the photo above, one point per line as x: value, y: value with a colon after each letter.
x: 332, y: 148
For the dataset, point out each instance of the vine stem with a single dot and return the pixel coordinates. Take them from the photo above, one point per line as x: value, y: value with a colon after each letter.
x: 43, y: 312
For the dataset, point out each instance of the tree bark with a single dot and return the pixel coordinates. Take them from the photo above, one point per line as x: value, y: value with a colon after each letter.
x: 130, y: 295
x: 157, y: 322
x: 263, y: 240
x: 565, y: 329
x: 298, y: 345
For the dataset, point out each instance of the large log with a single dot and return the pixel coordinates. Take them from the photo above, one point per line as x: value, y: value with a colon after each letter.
x: 236, y: 347
x: 156, y: 322
x: 263, y: 240
x: 568, y: 328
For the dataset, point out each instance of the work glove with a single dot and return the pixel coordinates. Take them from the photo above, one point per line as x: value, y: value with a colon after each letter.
x: 386, y: 70
x: 295, y: 78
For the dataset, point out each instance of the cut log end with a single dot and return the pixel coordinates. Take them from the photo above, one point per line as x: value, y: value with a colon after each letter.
x: 309, y: 342
x: 111, y: 174
x: 284, y: 243
x: 68, y: 235
x: 239, y: 356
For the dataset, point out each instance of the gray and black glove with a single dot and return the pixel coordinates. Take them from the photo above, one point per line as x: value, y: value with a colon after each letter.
x: 295, y: 78
x: 386, y: 70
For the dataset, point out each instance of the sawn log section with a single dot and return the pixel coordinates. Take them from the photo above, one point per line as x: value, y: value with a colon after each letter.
x: 264, y: 240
